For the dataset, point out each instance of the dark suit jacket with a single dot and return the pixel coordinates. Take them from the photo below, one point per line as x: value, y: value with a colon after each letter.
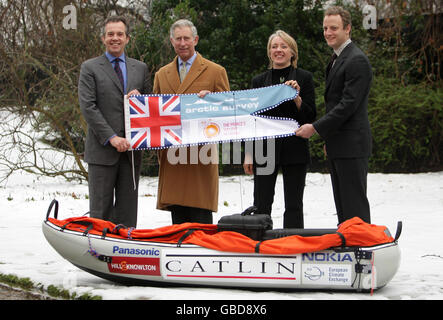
x: 293, y: 149
x: 345, y: 126
x: 101, y: 102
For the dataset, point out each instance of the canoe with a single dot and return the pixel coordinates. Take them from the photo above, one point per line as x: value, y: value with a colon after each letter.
x: 355, y: 256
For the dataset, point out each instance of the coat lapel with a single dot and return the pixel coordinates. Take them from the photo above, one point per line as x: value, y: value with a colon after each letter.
x: 172, y: 76
x: 130, y: 72
x: 109, y: 70
x: 293, y: 74
x: 338, y: 63
x: 268, y: 78
x: 196, y: 69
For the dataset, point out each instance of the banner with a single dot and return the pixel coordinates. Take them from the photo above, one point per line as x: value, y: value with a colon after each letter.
x: 177, y: 120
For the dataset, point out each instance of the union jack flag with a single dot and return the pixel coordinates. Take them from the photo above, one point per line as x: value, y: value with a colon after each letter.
x: 155, y: 122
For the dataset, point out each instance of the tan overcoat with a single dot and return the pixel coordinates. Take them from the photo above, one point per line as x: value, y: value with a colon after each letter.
x: 187, y: 184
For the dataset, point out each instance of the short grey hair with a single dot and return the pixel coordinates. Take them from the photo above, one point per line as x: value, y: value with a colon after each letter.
x: 182, y: 23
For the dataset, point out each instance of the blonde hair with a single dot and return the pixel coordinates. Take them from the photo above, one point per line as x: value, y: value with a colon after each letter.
x: 290, y: 41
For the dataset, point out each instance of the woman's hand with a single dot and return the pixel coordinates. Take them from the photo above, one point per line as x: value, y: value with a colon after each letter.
x: 295, y: 85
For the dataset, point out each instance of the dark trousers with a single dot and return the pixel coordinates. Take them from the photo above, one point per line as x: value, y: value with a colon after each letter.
x: 349, y: 185
x: 294, y: 176
x: 181, y: 214
x: 111, y: 191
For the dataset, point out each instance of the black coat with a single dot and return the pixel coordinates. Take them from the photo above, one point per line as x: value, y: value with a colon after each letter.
x: 346, y: 131
x: 292, y: 149
x: 345, y: 126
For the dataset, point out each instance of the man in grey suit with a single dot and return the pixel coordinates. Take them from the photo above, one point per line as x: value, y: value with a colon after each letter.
x: 113, y: 171
x: 345, y: 126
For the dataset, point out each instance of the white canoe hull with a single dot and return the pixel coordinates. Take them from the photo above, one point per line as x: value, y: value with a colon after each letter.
x: 152, y: 263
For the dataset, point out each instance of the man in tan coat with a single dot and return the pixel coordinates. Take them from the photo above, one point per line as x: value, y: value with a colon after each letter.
x: 189, y: 189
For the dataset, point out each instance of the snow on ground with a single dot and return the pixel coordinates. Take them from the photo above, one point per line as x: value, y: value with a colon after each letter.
x: 414, y: 199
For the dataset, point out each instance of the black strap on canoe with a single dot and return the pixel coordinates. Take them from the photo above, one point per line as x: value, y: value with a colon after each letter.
x: 183, y: 237
x: 89, y: 225
x: 118, y: 227
x: 257, y: 247
x: 398, y: 232
x: 104, y: 232
x: 53, y: 203
x: 343, y: 240
x: 187, y: 234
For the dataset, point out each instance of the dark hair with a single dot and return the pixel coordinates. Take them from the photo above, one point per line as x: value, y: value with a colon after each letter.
x: 344, y: 14
x: 116, y: 19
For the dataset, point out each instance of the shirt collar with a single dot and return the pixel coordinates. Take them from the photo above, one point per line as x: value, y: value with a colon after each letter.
x: 111, y: 57
x: 190, y: 60
x: 342, y: 47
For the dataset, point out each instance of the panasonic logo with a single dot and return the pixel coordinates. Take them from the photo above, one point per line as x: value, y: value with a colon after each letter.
x: 137, y: 252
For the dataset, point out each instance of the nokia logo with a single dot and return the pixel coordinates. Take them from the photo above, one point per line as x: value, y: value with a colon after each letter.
x: 327, y: 256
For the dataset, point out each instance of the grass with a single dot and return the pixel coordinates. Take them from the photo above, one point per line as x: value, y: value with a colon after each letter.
x: 14, y: 281
x: 53, y: 291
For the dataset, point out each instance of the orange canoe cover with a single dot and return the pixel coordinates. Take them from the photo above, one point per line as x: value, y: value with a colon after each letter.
x: 355, y: 231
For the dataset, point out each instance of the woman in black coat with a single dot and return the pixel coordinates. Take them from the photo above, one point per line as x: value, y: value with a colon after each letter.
x: 291, y: 153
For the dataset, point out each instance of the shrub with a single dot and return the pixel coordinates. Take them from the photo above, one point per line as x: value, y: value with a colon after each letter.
x: 406, y: 124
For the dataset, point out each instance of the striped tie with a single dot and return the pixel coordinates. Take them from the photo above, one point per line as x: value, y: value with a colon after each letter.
x: 119, y: 71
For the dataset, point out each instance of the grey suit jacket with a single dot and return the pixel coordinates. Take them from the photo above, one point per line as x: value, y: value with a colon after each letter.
x: 345, y: 126
x: 101, y: 102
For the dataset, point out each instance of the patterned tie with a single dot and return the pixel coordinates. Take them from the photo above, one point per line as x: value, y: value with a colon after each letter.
x: 119, y: 71
x: 183, y: 71
x: 330, y: 64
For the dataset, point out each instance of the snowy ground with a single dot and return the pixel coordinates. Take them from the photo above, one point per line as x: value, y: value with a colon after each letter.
x: 415, y: 199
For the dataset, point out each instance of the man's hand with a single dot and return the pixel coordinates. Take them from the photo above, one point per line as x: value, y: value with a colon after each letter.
x: 203, y: 93
x: 247, y: 164
x: 121, y: 144
x: 134, y: 92
x: 305, y: 131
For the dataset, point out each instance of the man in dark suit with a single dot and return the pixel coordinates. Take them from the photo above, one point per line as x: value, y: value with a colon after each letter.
x: 345, y: 126
x: 113, y: 172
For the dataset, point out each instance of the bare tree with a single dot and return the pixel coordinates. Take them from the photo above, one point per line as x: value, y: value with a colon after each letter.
x: 23, y: 150
x: 39, y: 67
